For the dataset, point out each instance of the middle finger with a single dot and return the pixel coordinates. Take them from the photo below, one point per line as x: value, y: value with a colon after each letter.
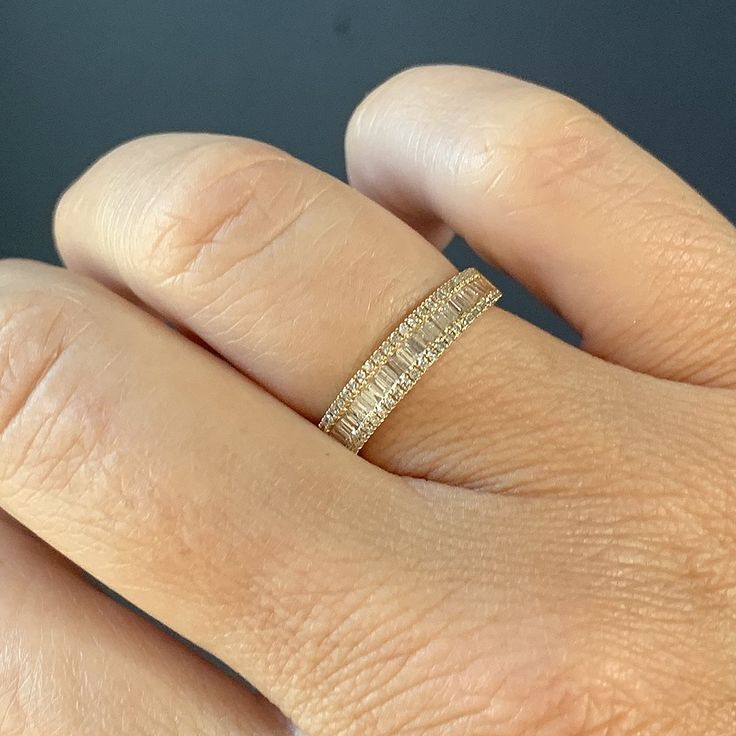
x: 191, y: 492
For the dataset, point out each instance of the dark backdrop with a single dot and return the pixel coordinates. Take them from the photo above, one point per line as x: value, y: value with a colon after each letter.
x: 76, y: 78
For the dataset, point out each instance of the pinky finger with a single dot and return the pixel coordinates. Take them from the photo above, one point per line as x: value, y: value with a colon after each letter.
x: 73, y: 661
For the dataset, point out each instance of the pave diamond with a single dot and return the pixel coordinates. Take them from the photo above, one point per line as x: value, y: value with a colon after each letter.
x: 403, y: 357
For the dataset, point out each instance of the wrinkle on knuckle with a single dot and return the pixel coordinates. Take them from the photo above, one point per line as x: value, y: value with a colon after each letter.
x: 657, y: 579
x: 231, y: 201
x: 50, y: 426
x: 307, y: 606
x: 668, y: 551
x: 26, y: 358
x: 33, y: 336
x: 558, y: 146
x: 568, y: 144
x: 440, y: 687
x: 375, y: 671
x: 344, y: 638
x: 701, y: 468
x: 645, y: 670
x: 420, y: 671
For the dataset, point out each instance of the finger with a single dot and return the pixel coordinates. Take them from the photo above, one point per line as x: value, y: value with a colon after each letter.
x: 74, y: 662
x: 196, y: 495
x: 355, y: 601
x: 637, y: 261
x: 295, y: 278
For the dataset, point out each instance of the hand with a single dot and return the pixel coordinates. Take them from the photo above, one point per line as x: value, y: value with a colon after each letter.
x: 539, y: 540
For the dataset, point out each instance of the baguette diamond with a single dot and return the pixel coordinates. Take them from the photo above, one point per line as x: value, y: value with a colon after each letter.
x: 403, y: 357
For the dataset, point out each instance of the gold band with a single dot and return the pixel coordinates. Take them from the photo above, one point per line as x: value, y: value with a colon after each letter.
x: 404, y: 356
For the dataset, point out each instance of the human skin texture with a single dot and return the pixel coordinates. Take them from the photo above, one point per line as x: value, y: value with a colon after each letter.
x: 540, y: 540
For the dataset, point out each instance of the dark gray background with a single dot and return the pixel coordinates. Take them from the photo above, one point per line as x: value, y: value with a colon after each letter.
x: 79, y: 77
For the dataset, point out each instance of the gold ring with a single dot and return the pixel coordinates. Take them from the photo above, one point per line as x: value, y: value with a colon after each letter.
x: 405, y: 355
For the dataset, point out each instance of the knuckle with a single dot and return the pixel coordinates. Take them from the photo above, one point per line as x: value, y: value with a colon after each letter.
x: 31, y: 338
x: 540, y: 150
x: 231, y: 199
x: 678, y: 565
x: 558, y: 146
x: 42, y: 313
x: 380, y: 663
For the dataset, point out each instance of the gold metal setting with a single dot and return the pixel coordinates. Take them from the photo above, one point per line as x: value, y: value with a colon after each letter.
x: 405, y: 355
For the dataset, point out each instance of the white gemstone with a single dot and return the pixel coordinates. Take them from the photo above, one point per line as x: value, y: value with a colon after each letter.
x: 395, y: 365
x: 478, y: 287
x: 442, y: 319
x: 430, y: 332
x: 466, y: 299
x: 452, y: 309
x: 374, y: 393
x: 407, y: 353
x: 364, y: 403
x: 456, y: 302
x: 351, y: 421
x: 401, y: 360
x: 368, y: 398
x: 415, y: 345
x: 385, y: 378
x: 341, y: 432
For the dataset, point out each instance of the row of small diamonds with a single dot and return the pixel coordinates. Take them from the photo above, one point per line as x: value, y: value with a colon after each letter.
x: 388, y: 347
x: 382, y: 354
x: 356, y: 426
x: 375, y: 418
x: 404, y: 348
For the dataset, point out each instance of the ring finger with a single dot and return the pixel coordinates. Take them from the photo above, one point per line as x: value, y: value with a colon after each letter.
x: 294, y: 278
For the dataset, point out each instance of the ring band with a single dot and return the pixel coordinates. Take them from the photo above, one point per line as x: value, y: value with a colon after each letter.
x: 404, y: 356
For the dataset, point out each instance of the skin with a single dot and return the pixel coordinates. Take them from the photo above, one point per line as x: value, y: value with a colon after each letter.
x: 539, y: 540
